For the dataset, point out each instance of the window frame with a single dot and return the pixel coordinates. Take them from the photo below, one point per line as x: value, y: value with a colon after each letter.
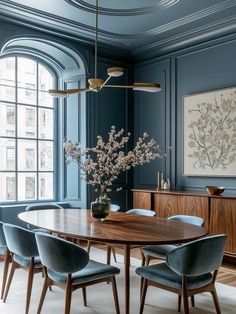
x: 54, y: 140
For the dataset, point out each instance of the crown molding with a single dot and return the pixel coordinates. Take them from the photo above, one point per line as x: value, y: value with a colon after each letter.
x: 121, y: 44
x: 199, y: 35
x: 86, y: 6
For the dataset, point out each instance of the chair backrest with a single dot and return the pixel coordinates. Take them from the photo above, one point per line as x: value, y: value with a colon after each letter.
x: 20, y: 241
x: 197, y: 257
x: 195, y: 220
x: 60, y: 255
x: 42, y: 206
x: 2, y: 236
x: 144, y: 212
x: 115, y: 208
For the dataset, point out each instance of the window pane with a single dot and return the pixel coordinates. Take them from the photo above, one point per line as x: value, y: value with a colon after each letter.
x: 26, y: 155
x: 45, y: 79
x: 7, y: 93
x: 26, y: 73
x: 7, y: 182
x: 27, y: 185
x: 45, y: 156
x: 45, y: 125
x: 7, y: 71
x: 46, y: 185
x: 27, y: 117
x: 45, y: 100
x: 7, y: 154
x: 8, y: 117
x: 26, y: 96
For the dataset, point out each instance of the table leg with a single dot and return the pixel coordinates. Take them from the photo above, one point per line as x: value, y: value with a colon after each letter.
x: 127, y: 277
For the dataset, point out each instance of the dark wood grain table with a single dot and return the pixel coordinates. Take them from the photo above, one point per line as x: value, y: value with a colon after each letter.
x: 119, y: 228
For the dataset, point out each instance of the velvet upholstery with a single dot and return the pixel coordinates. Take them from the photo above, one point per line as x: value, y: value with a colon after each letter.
x: 68, y: 266
x: 144, y: 212
x: 20, y: 241
x: 160, y: 251
x: 166, y: 276
x: 3, y: 243
x: 5, y: 256
x: 115, y: 208
x: 40, y: 206
x: 74, y: 260
x: 22, y: 245
x: 190, y: 259
x: 187, y: 271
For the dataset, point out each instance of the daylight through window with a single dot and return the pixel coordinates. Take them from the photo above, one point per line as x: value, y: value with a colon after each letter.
x: 26, y: 130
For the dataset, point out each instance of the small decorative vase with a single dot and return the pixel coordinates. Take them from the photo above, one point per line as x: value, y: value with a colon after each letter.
x: 101, y: 207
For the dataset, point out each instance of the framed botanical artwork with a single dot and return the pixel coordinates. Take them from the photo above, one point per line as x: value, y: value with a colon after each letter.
x: 209, y: 132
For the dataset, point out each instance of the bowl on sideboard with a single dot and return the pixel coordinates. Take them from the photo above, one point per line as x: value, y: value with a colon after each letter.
x: 215, y: 190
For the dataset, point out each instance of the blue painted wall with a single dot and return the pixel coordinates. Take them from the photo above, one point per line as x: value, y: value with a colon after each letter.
x: 197, y: 69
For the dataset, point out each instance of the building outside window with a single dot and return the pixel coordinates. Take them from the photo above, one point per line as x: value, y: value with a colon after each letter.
x: 27, y: 139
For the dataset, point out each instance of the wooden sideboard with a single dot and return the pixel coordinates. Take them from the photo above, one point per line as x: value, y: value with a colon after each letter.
x: 218, y: 212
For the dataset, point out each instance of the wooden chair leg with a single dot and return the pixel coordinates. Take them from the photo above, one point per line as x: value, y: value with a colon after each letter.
x: 84, y: 296
x: 13, y: 268
x: 143, y: 258
x: 115, y: 294
x: 5, y: 271
x: 143, y: 296
x: 185, y: 295
x: 29, y: 285
x: 88, y: 246
x: 179, y: 303
x: 148, y: 258
x: 192, y: 301
x: 216, y: 301
x: 108, y: 255
x: 68, y: 294
x: 43, y: 293
x: 114, y: 253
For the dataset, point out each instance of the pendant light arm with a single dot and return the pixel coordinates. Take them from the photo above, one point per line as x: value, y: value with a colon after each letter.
x: 96, y: 41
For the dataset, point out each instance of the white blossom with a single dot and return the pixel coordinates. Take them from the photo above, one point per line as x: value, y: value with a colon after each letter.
x: 101, y: 165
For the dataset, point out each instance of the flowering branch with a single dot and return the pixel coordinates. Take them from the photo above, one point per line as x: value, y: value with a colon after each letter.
x: 101, y: 165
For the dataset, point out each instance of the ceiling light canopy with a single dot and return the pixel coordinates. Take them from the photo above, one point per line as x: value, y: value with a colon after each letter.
x: 96, y: 84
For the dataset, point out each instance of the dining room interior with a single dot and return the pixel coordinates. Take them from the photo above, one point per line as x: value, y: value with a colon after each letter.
x: 118, y: 146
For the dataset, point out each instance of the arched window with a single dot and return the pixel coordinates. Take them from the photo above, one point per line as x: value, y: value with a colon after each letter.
x: 27, y: 139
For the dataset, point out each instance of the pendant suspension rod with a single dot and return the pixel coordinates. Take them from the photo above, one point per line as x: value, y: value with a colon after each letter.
x: 96, y: 41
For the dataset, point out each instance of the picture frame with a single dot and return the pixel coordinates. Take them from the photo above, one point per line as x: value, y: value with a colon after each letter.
x: 209, y: 133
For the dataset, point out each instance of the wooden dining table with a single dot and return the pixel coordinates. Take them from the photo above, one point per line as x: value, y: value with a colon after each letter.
x: 121, y: 229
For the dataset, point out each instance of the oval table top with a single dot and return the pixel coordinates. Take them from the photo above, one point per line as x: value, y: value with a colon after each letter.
x: 119, y: 228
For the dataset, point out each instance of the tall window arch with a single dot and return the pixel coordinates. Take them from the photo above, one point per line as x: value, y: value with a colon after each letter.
x: 27, y: 139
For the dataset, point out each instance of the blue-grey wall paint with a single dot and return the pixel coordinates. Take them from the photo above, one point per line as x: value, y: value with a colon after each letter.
x: 197, y: 69
x: 110, y: 107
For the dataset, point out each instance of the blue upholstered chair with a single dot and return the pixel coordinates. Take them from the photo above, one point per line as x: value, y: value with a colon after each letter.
x: 5, y: 256
x: 68, y: 266
x: 115, y: 208
x: 187, y: 270
x: 160, y: 251
x: 39, y: 206
x: 24, y: 252
x: 139, y: 211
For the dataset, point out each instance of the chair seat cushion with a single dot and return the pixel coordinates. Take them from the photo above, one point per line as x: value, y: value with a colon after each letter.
x: 158, y: 251
x: 3, y: 250
x: 162, y: 274
x: 25, y: 261
x: 92, y: 271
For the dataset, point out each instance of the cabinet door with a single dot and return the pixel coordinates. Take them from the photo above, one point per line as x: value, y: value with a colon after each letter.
x: 166, y: 205
x: 223, y: 220
x: 142, y: 200
x: 194, y: 206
